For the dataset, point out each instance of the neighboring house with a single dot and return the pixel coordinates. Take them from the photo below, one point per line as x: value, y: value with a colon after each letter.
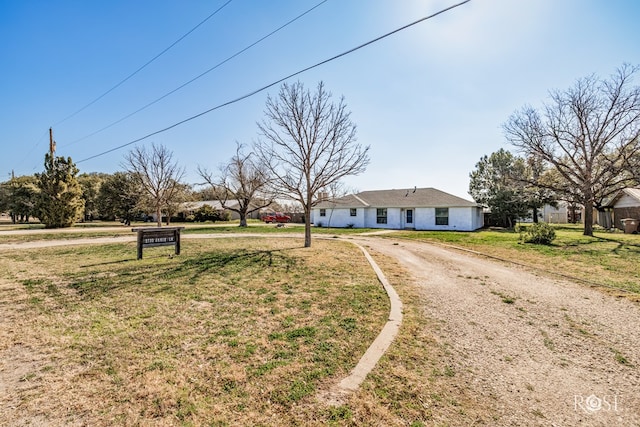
x: 189, y: 208
x: 558, y: 214
x: 562, y: 213
x: 624, y: 204
x: 417, y: 208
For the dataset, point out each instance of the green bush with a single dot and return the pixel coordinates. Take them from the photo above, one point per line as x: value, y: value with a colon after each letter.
x: 208, y: 213
x: 540, y: 233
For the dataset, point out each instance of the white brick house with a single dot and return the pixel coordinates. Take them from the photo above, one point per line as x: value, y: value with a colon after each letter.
x: 416, y: 208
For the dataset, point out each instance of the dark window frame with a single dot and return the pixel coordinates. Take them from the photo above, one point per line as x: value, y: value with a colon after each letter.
x: 353, y: 212
x: 381, y: 215
x: 442, y: 216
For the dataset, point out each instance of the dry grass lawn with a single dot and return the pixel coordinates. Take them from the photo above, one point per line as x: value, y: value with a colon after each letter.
x: 238, y: 331
x: 233, y: 331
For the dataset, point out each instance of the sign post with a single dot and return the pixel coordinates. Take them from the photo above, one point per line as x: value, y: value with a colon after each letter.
x: 158, y: 236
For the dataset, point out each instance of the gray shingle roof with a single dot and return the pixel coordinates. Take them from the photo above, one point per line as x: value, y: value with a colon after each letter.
x: 187, y: 206
x: 409, y: 198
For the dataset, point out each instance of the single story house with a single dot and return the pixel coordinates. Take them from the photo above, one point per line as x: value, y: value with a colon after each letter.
x: 189, y: 208
x: 624, y: 204
x: 416, y: 208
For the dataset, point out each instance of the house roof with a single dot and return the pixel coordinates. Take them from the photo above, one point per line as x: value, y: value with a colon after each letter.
x: 631, y: 192
x: 403, y: 198
x: 216, y: 204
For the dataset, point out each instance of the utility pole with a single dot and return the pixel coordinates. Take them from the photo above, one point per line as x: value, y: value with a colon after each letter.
x: 52, y: 143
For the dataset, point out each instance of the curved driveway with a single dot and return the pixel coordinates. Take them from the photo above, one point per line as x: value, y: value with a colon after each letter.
x: 535, y: 350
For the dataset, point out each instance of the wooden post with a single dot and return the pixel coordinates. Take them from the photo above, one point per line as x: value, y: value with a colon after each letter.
x: 140, y: 234
x: 52, y: 143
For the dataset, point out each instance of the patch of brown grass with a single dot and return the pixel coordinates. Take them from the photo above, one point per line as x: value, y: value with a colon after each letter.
x: 233, y: 331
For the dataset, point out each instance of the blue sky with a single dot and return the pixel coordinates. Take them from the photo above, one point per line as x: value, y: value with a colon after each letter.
x: 429, y: 100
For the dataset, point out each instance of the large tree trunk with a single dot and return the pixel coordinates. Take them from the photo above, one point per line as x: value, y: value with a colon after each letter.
x: 535, y: 215
x: 243, y: 219
x: 588, y: 218
x: 159, y: 216
x: 307, y: 228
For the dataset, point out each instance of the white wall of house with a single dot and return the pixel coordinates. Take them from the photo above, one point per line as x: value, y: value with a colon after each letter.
x: 626, y: 201
x: 478, y: 218
x: 394, y: 218
x: 340, y: 217
x: 461, y: 219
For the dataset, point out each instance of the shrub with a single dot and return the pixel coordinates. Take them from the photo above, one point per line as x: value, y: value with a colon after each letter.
x: 208, y: 213
x: 540, y: 233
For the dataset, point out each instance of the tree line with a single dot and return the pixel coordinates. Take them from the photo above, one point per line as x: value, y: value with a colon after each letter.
x: 306, y: 144
x: 581, y: 147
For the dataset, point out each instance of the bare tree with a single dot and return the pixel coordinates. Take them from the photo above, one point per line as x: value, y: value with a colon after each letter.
x: 590, y: 134
x: 308, y: 144
x: 241, y: 186
x: 157, y: 174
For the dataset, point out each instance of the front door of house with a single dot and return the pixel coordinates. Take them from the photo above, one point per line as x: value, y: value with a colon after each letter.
x: 408, y: 218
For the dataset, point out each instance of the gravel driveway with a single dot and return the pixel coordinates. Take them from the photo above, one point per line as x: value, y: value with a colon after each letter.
x: 534, y: 350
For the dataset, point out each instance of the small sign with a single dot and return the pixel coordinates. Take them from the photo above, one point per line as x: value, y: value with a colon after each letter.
x: 158, y: 236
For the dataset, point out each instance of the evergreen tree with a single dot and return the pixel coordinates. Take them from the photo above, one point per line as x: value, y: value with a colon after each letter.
x: 119, y: 197
x: 495, y: 183
x: 90, y: 184
x: 18, y: 197
x: 60, y: 203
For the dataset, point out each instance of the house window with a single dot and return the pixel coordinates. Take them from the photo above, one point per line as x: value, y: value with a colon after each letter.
x: 353, y: 212
x: 323, y: 212
x: 381, y: 215
x: 442, y: 216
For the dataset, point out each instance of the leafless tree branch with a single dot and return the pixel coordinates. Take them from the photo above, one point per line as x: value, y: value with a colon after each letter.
x: 308, y: 143
x: 589, y: 133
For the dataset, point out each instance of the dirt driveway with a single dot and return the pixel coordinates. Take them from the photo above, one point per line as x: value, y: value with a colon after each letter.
x: 534, y: 350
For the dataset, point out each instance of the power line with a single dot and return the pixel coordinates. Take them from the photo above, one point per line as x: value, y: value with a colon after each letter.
x: 200, y: 75
x: 34, y: 146
x: 145, y: 65
x: 233, y: 101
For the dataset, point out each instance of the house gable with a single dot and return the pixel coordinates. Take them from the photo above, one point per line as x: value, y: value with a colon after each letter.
x: 629, y: 198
